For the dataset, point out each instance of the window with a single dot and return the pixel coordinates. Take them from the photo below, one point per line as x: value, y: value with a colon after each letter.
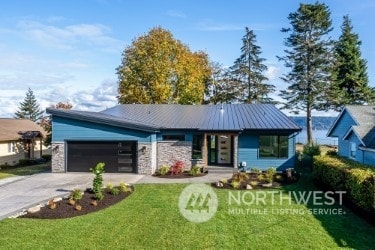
x: 173, y: 137
x: 197, y: 146
x: 11, y: 147
x: 353, y: 150
x: 273, y: 146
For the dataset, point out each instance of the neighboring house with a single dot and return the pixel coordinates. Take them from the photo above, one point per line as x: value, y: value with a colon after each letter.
x: 20, y: 139
x: 355, y: 130
x: 140, y: 138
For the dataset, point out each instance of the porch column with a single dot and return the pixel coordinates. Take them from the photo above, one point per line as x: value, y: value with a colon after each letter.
x: 235, y: 151
x: 32, y: 148
x: 204, y: 150
x: 41, y: 147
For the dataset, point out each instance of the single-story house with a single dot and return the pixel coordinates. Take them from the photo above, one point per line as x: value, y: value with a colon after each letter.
x: 355, y: 130
x: 20, y: 139
x: 140, y: 138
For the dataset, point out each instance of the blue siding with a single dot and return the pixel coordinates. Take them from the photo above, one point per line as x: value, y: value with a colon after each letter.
x: 69, y: 129
x: 354, y: 139
x: 248, y: 151
x: 341, y: 128
x: 369, y: 157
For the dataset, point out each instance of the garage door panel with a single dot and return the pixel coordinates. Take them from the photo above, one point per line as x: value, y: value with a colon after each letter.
x: 118, y: 156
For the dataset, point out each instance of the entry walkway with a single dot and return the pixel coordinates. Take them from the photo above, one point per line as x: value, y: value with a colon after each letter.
x: 18, y: 193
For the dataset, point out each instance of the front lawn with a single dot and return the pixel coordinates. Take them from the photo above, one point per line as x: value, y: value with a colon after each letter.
x: 28, y: 170
x: 150, y: 219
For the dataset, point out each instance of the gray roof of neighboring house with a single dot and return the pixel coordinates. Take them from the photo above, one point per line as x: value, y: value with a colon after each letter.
x: 226, y: 117
x: 364, y: 116
x: 14, y: 129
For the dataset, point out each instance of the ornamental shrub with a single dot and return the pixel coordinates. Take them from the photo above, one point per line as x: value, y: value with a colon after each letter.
x: 97, y: 183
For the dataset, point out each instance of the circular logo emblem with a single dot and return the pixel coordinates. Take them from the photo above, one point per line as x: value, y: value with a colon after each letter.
x: 198, y: 203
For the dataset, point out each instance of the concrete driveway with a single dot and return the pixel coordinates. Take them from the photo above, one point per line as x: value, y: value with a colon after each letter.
x: 18, y: 193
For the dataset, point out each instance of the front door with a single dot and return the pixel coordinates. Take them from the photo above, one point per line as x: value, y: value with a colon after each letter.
x: 220, y: 149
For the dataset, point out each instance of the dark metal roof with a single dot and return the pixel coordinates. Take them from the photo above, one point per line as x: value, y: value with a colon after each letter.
x: 152, y: 117
x: 226, y: 117
x: 102, y: 119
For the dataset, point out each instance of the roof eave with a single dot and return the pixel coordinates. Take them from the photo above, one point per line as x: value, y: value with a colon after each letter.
x: 110, y: 122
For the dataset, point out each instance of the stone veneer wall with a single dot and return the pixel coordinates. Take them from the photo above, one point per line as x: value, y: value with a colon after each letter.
x: 58, y: 158
x: 145, y: 158
x: 171, y: 151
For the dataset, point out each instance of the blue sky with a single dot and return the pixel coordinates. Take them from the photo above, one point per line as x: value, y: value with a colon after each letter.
x: 69, y: 50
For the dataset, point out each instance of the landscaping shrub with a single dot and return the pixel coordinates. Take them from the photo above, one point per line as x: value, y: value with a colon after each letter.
x: 47, y: 157
x: 76, y: 194
x: 311, y: 150
x: 332, y: 152
x: 195, y: 170
x: 164, y: 170
x: 356, y: 179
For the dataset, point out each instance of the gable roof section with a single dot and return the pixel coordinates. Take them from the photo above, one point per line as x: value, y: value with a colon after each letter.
x: 364, y: 117
x: 226, y: 117
x: 14, y: 129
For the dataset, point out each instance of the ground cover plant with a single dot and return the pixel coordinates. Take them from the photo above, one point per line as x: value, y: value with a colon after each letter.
x: 150, y: 219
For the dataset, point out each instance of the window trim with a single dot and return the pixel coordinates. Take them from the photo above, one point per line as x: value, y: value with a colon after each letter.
x: 278, y: 148
x: 351, y: 144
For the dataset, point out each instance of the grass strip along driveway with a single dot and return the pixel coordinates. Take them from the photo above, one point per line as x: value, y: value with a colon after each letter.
x: 22, y: 171
x: 150, y: 219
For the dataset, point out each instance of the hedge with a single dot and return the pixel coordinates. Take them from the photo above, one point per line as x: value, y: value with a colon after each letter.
x: 340, y: 174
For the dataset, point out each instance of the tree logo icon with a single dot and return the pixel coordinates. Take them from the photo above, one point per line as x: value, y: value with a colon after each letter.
x: 198, y: 203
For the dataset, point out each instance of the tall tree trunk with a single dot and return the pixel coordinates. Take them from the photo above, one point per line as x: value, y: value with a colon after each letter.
x: 310, y: 140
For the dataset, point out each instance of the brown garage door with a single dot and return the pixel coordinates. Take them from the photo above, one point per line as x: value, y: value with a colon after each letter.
x: 119, y: 157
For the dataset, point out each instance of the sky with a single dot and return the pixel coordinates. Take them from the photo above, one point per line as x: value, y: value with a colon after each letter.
x: 68, y: 51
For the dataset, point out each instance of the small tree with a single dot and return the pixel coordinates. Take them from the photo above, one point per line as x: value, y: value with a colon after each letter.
x: 97, y: 182
x: 220, y: 86
x: 46, y: 122
x: 29, y: 108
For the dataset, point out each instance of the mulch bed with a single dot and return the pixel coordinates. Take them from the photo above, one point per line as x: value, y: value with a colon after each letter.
x: 65, y: 210
x: 179, y: 175
x: 253, y: 177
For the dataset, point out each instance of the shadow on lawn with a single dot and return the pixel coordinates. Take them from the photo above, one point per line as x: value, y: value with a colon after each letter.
x: 347, y: 229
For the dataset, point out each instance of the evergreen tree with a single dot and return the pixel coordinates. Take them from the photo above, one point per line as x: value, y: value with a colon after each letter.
x: 29, y: 108
x: 248, y: 71
x: 350, y: 80
x: 309, y: 59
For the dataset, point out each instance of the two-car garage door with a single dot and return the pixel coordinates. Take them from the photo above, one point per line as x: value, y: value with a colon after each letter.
x: 117, y: 156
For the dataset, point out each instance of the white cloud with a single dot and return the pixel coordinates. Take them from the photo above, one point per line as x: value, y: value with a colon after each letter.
x: 67, y: 37
x: 176, y: 13
x: 272, y: 72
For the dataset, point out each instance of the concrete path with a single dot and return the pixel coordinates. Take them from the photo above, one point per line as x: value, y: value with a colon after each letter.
x: 18, y: 193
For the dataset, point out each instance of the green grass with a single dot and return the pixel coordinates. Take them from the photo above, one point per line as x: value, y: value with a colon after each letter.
x: 28, y: 170
x: 150, y: 219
